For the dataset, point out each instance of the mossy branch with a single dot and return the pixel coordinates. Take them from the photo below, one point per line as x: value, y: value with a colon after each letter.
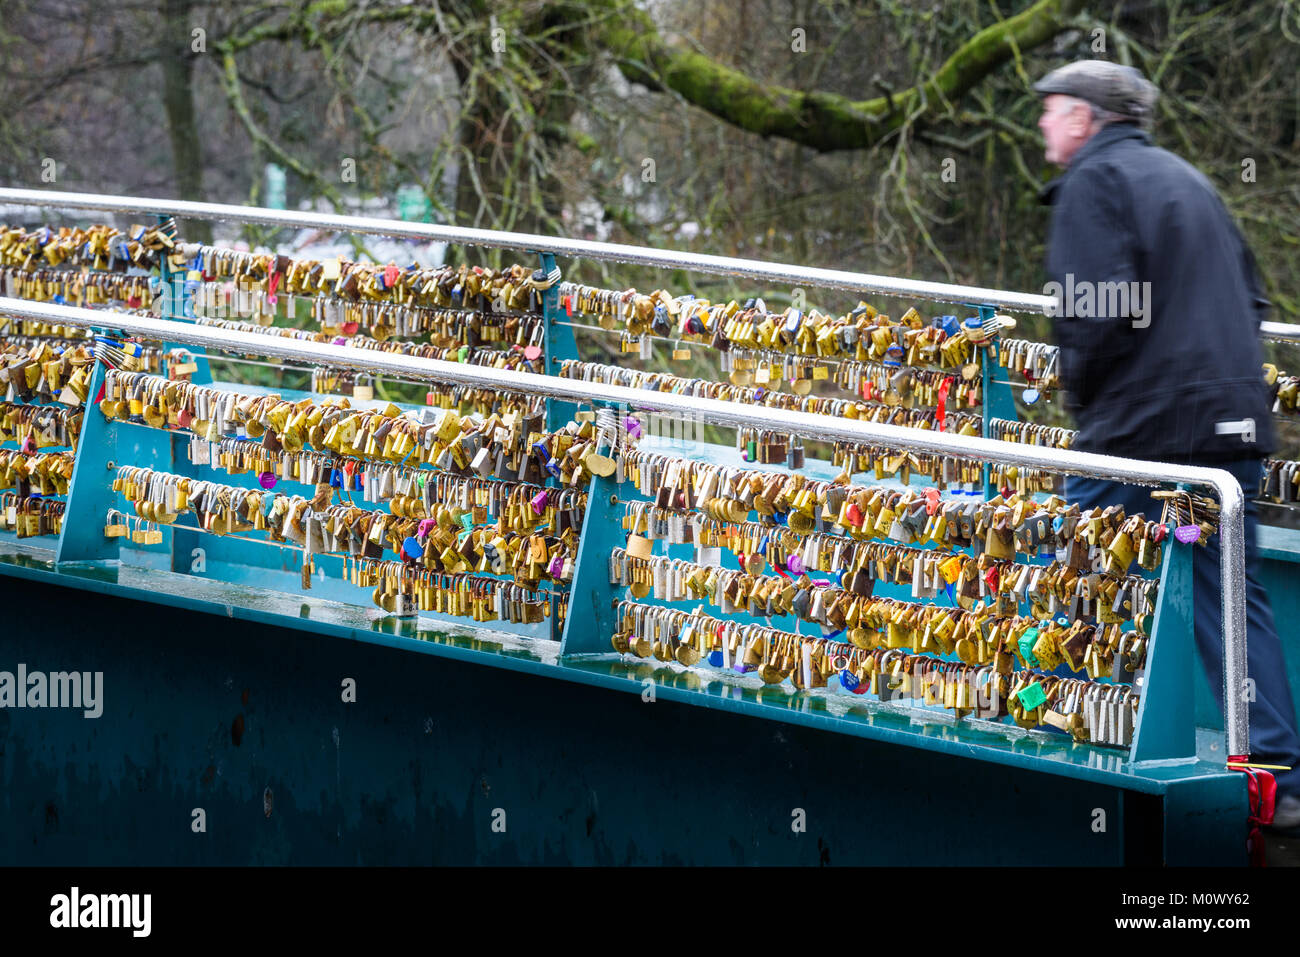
x: 824, y: 121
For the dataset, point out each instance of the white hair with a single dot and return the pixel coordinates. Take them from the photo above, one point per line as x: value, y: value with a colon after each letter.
x: 1101, y: 116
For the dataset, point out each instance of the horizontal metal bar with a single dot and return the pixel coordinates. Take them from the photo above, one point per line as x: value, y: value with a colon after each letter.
x: 1231, y: 497
x: 611, y: 252
x: 1281, y: 331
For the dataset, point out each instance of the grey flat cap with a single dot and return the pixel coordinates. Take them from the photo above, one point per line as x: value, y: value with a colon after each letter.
x: 1120, y: 89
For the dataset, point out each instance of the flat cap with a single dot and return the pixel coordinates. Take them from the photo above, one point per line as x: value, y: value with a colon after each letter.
x: 1120, y: 89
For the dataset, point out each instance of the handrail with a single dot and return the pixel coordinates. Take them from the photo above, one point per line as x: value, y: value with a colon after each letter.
x: 1281, y: 331
x: 733, y: 414
x: 612, y: 252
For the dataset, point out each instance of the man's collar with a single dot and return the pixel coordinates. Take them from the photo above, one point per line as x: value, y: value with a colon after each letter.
x: 1111, y: 133
x: 1104, y: 137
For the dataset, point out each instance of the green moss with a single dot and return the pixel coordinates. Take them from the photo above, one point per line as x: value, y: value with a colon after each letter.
x: 327, y: 8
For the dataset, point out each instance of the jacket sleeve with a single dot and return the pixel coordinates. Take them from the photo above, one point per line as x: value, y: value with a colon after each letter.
x: 1093, y: 248
x: 1251, y: 271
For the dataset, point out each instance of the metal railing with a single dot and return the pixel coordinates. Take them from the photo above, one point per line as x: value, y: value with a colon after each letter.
x: 1280, y: 331
x: 737, y: 415
x: 612, y: 252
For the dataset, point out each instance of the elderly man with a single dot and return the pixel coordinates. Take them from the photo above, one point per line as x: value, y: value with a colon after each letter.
x: 1158, y: 327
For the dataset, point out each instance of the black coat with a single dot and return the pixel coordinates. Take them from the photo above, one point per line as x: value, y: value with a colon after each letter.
x: 1151, y: 381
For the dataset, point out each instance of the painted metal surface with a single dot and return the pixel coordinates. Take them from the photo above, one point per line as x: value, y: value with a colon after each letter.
x: 177, y: 304
x: 592, y: 620
x: 1165, y: 724
x: 929, y: 729
x: 559, y: 344
x: 238, y: 710
x: 83, y: 537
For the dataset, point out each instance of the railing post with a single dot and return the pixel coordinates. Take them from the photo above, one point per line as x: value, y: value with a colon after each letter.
x: 174, y: 302
x: 558, y: 344
x: 592, y: 620
x: 1166, y: 693
x: 90, y: 491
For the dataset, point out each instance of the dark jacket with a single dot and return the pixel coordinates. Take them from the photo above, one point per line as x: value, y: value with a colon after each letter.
x: 1152, y: 380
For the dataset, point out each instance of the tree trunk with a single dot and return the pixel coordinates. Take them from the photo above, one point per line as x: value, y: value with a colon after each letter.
x: 177, y: 60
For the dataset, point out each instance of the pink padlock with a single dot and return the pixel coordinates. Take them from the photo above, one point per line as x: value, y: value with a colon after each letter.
x: 633, y: 427
x: 557, y: 566
x: 539, y: 501
x: 425, y: 527
x: 794, y: 565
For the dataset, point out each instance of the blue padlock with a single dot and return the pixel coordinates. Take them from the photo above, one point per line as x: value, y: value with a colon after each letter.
x: 948, y: 324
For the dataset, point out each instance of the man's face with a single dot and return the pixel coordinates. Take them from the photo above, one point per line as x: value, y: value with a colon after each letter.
x: 1066, y: 124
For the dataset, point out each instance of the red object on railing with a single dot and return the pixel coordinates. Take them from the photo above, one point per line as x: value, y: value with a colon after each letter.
x: 1262, y: 795
x: 942, y: 404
